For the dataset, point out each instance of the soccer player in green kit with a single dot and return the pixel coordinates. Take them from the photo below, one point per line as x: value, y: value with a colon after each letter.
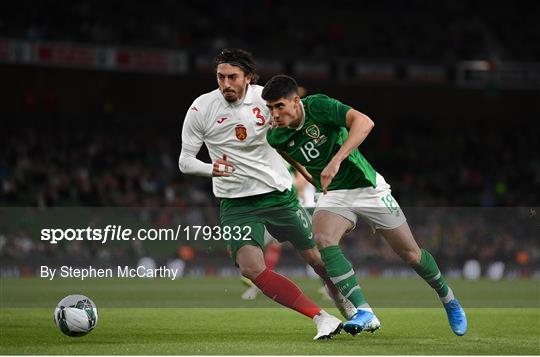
x: 322, y: 136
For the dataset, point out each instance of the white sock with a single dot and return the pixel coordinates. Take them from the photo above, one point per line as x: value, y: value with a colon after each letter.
x: 365, y: 307
x: 321, y: 313
x: 446, y: 299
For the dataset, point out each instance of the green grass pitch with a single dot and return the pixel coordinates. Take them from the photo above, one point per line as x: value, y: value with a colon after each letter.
x: 206, y: 316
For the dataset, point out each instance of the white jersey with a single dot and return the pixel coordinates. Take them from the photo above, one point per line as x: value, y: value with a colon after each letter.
x: 238, y: 130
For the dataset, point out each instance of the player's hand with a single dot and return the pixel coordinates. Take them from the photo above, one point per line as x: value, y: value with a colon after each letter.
x: 222, y: 167
x: 328, y: 174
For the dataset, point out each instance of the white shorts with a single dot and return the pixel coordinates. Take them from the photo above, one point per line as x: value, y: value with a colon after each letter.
x: 375, y: 205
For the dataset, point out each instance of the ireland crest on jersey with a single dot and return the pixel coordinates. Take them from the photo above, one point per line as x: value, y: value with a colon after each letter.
x: 313, y: 131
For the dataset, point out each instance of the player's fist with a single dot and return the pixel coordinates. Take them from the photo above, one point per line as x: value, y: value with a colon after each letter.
x: 328, y: 174
x: 222, y: 167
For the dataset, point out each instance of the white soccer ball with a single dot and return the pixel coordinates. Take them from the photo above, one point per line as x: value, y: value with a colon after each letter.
x: 76, y: 315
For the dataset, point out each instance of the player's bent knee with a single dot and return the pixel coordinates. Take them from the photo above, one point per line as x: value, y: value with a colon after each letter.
x: 251, y: 272
x: 324, y: 240
x: 411, y: 257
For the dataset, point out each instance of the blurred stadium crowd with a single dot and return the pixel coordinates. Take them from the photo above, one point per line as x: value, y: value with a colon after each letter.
x: 464, y: 198
x: 389, y: 29
x: 425, y: 165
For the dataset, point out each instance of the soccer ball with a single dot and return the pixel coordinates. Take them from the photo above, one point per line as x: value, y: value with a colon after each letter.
x: 76, y: 315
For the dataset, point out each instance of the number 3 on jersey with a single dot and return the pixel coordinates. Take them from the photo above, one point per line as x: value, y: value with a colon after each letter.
x: 303, y: 217
x: 259, y: 116
x: 310, y: 151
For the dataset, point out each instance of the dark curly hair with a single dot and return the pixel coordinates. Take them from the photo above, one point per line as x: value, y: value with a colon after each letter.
x: 279, y: 86
x: 239, y: 58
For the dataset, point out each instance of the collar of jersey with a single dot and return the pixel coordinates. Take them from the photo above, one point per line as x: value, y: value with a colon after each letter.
x: 248, y: 98
x: 303, y: 119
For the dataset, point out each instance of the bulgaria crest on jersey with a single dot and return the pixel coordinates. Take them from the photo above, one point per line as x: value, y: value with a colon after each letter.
x: 313, y: 131
x: 241, y: 132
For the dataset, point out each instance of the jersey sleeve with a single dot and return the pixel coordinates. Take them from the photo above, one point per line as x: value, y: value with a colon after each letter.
x: 192, y: 130
x: 192, y: 140
x: 329, y: 110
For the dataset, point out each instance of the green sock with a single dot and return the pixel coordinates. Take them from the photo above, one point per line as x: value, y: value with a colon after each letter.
x: 342, y: 275
x: 429, y: 271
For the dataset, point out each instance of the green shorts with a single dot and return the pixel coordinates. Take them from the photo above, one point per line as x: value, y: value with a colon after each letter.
x: 279, y: 212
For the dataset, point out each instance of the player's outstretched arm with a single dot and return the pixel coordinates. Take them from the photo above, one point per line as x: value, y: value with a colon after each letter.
x: 359, y: 126
x: 192, y: 141
x: 190, y: 165
x: 297, y: 166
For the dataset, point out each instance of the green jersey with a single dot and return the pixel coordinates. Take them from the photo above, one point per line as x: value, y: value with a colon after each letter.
x: 318, y: 138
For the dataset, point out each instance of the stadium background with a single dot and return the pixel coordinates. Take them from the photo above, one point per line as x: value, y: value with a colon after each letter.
x: 93, y: 97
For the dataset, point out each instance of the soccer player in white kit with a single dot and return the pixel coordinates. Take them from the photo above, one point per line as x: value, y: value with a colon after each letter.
x: 254, y: 187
